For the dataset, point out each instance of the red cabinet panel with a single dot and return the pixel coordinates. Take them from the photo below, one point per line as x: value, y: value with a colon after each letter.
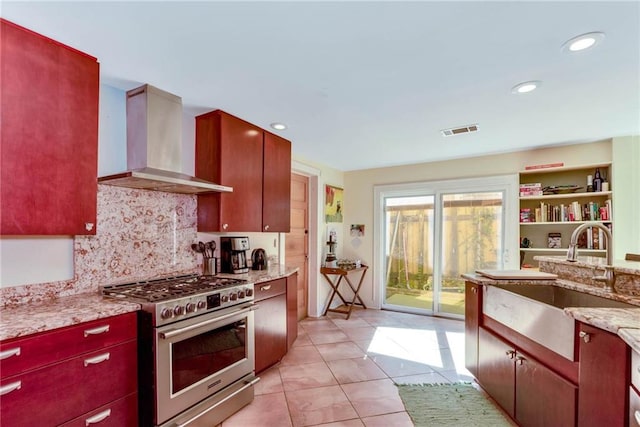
x: 276, y: 197
x: 229, y: 151
x: 120, y: 413
x: 292, y: 309
x: 472, y: 310
x: 496, y: 369
x: 543, y: 398
x: 256, y: 163
x: 270, y: 323
x: 35, y: 351
x: 59, y: 392
x: 604, y: 372
x: 48, y: 137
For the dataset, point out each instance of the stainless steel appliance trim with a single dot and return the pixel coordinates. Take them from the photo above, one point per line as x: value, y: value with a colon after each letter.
x: 180, y: 331
x: 169, y: 404
x: 543, y: 323
x: 222, y: 401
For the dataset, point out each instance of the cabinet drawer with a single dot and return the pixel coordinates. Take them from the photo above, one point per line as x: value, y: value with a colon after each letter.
x: 269, y: 289
x: 65, y: 390
x: 32, y: 352
x: 635, y: 369
x: 121, y: 413
x: 634, y: 408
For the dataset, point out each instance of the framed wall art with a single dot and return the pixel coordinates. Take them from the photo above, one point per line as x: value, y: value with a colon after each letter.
x: 333, y: 203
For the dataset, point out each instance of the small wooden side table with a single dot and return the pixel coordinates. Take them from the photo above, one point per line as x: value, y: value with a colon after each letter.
x: 340, y: 274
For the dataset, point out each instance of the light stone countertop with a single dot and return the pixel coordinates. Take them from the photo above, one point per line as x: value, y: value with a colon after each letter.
x: 631, y: 337
x: 31, y: 318
x: 625, y: 322
x: 619, y: 265
x: 60, y: 312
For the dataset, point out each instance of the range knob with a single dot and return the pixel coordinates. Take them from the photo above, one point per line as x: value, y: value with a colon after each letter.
x: 240, y: 294
x: 233, y: 296
x: 166, y: 313
x: 225, y: 298
x: 178, y: 310
x: 248, y: 292
x: 202, y: 304
x: 190, y: 307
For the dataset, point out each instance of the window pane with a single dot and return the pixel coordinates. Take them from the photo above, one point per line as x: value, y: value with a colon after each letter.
x: 409, y: 251
x: 471, y: 240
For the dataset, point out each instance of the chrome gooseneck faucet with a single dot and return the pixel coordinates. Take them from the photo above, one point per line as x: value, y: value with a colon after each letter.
x: 608, y: 278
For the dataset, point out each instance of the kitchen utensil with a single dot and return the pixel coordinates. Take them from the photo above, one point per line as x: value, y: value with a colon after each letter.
x: 259, y: 259
x: 202, y: 248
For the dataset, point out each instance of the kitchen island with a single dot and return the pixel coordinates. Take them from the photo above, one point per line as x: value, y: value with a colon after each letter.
x: 557, y: 352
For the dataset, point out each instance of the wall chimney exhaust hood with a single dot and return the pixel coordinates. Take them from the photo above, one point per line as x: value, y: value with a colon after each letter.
x: 154, y: 154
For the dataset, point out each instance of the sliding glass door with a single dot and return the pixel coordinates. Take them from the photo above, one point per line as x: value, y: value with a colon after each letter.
x: 432, y: 233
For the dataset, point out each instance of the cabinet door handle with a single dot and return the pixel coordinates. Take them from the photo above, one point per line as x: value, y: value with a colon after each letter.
x: 585, y: 336
x: 6, y: 389
x: 474, y: 290
x: 9, y: 353
x: 266, y: 228
x: 88, y: 226
x: 520, y: 360
x: 225, y: 226
x: 96, y: 331
x: 511, y: 354
x: 265, y: 288
x: 95, y: 360
x: 637, y: 416
x: 97, y: 417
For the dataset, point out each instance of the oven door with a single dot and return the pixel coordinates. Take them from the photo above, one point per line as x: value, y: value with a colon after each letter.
x: 198, y: 357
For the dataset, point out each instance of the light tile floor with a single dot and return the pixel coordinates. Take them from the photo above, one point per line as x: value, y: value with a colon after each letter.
x: 341, y: 373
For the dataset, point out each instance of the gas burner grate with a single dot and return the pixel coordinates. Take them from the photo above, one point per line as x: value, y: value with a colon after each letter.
x: 170, y: 288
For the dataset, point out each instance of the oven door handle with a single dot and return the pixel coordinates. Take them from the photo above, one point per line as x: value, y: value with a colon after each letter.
x: 175, y: 332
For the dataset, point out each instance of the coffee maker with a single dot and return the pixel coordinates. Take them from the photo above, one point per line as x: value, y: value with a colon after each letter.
x: 233, y: 253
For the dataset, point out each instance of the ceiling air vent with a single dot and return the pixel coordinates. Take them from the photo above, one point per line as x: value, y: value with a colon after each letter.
x: 459, y: 130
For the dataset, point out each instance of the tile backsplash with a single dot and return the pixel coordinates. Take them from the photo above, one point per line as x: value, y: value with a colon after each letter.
x: 140, y: 235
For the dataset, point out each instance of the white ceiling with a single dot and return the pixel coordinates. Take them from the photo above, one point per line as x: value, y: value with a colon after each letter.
x: 371, y: 84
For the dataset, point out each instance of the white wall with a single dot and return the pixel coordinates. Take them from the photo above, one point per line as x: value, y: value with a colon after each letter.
x: 358, y: 195
x: 626, y: 202
x: 319, y: 175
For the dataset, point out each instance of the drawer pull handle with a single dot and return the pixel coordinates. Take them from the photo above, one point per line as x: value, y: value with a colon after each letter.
x: 96, y: 331
x: 6, y: 389
x: 520, y: 360
x: 97, y: 417
x: 511, y: 354
x: 265, y: 288
x: 637, y: 416
x: 9, y: 353
x: 585, y: 336
x: 95, y: 360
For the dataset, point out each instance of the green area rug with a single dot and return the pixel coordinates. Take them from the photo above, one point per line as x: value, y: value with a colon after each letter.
x: 450, y: 405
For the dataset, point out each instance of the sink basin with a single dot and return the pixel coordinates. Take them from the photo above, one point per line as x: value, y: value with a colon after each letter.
x: 536, y: 311
x: 562, y: 297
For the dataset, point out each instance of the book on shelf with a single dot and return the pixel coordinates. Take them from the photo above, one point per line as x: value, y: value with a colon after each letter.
x: 575, y: 211
x: 555, y: 240
x: 532, y: 189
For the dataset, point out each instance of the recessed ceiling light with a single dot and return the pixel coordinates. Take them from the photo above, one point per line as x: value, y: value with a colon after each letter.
x: 526, y: 87
x: 582, y: 42
x: 278, y: 126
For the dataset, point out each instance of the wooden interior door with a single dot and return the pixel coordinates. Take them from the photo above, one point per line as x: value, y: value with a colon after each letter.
x: 297, y: 240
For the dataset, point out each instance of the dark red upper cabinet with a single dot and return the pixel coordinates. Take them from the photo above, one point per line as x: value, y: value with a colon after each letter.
x: 276, y: 196
x: 257, y: 164
x: 48, y: 137
x: 229, y: 151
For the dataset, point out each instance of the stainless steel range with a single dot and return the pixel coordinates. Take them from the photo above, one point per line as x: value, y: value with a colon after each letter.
x: 196, y: 348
